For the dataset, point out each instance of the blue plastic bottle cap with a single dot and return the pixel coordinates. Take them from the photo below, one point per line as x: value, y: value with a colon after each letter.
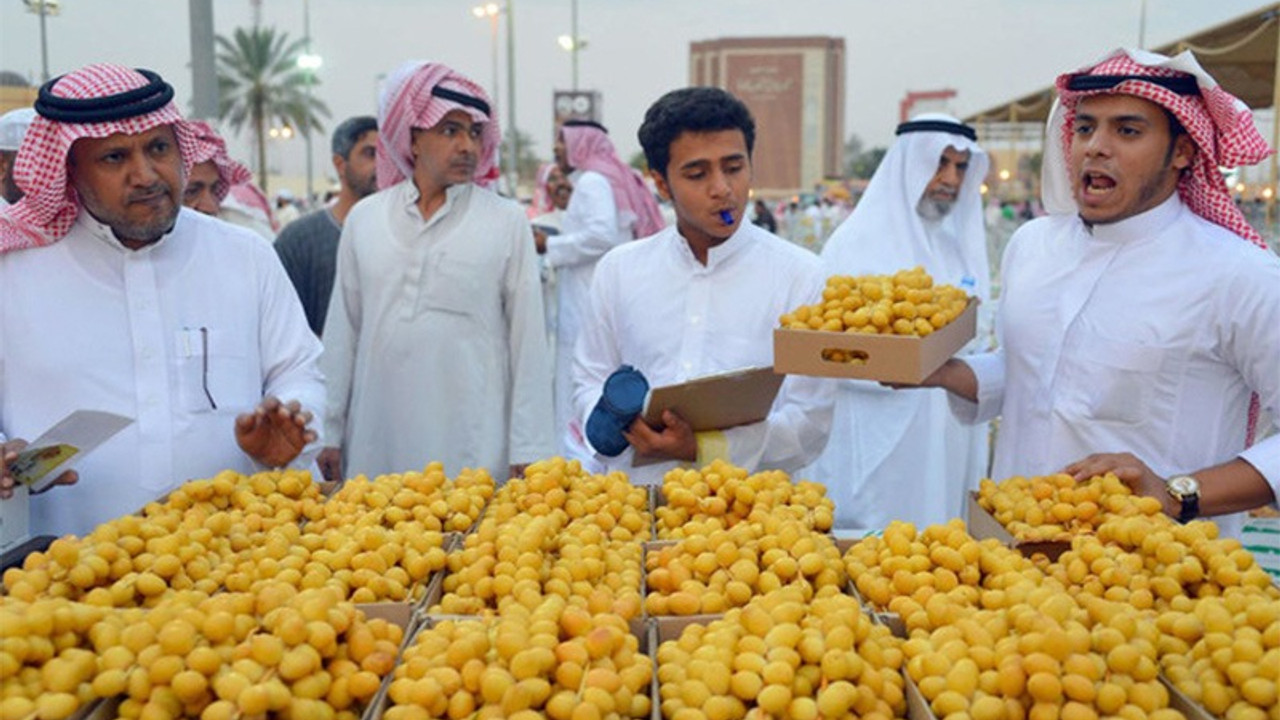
x: 625, y: 392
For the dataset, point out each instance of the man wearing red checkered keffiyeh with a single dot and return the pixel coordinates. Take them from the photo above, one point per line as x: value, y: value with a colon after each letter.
x: 1139, y: 321
x: 116, y: 298
x: 436, y: 321
x: 213, y: 172
x: 610, y: 205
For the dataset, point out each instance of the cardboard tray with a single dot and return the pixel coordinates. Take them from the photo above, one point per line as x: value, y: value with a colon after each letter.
x: 888, y: 358
x: 379, y: 703
x: 983, y: 525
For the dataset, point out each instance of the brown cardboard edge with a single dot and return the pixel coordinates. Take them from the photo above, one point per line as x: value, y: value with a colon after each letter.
x: 660, y: 630
x: 904, y: 359
x: 917, y: 706
x: 983, y: 525
x: 1179, y: 701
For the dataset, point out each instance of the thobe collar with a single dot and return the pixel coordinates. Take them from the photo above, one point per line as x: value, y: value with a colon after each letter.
x: 719, y: 254
x: 102, y: 233
x: 1142, y: 226
x: 409, y: 201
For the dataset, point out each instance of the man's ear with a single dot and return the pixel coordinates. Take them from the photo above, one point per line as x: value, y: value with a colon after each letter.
x: 1184, y: 152
x: 664, y: 191
x: 339, y: 163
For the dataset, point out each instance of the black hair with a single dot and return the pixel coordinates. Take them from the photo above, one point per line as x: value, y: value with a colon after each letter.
x: 347, y: 134
x: 585, y: 123
x: 1176, y: 130
x: 694, y: 109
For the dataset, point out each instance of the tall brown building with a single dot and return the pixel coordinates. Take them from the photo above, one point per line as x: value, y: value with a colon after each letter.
x: 795, y: 89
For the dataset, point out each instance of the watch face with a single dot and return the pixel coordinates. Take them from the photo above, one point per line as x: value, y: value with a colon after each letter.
x: 1183, y: 485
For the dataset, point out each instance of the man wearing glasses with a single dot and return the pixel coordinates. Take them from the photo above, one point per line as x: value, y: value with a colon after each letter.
x: 113, y: 297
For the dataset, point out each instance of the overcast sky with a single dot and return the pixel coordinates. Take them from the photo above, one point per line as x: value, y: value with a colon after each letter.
x: 988, y: 50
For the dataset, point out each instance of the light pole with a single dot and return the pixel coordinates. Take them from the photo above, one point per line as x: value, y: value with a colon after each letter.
x: 43, y: 8
x: 573, y: 42
x: 308, y: 63
x: 491, y: 11
x: 514, y: 145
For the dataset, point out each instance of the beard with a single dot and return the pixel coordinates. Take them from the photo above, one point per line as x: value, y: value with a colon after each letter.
x: 934, y: 209
x: 146, y: 228
x: 361, y: 186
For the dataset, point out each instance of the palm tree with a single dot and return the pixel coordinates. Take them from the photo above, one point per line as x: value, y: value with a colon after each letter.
x: 260, y: 83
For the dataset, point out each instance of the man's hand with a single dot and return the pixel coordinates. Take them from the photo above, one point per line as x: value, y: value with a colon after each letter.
x: 274, y: 433
x: 954, y: 376
x: 517, y: 470
x: 540, y: 241
x: 330, y: 462
x: 1131, y: 470
x: 675, y: 440
x: 9, y: 453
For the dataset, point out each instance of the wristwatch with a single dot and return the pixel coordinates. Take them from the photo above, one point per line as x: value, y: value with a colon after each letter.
x: 1186, y: 490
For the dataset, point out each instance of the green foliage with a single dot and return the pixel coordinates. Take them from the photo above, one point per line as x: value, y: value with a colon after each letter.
x: 260, y: 85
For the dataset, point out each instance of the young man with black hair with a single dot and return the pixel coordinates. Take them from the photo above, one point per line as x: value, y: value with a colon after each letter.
x: 308, y: 246
x: 702, y: 297
x: 1140, y: 320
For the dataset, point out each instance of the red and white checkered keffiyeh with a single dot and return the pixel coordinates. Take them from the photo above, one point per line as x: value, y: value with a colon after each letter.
x: 210, y: 147
x: 252, y: 200
x: 589, y: 148
x: 1219, y: 123
x: 406, y: 102
x: 49, y: 208
x: 541, y: 203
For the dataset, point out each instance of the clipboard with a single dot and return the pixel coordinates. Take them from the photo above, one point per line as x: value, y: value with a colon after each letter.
x: 717, y: 402
x: 40, y: 463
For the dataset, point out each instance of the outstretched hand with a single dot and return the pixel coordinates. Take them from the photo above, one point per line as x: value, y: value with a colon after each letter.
x: 275, y: 432
x: 1126, y: 466
x: 675, y: 440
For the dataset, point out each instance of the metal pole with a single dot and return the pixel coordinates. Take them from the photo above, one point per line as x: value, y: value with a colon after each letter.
x: 511, y: 97
x: 1142, y: 27
x: 1275, y: 139
x: 576, y: 42
x: 493, y: 47
x: 204, y: 73
x: 44, y: 45
x: 306, y: 23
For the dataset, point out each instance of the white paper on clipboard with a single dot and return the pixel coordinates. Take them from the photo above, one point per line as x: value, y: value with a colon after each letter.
x: 714, y: 402
x: 41, y: 462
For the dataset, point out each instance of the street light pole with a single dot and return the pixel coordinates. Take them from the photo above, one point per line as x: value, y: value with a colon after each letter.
x: 44, y: 8
x: 574, y: 50
x: 493, y: 47
x: 511, y: 98
x: 491, y: 10
x: 306, y: 24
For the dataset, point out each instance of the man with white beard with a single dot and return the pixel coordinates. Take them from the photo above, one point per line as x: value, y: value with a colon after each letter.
x: 897, y: 455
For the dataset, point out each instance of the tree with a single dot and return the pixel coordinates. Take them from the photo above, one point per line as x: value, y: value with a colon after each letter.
x: 859, y: 162
x: 852, y: 149
x: 260, y: 83
x: 528, y: 163
x: 864, y: 166
x: 639, y: 162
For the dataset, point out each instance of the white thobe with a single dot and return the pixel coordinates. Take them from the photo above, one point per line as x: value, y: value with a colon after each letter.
x: 656, y: 308
x: 89, y: 324
x: 590, y: 229
x: 902, y: 454
x: 1145, y: 336
x: 435, y: 344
